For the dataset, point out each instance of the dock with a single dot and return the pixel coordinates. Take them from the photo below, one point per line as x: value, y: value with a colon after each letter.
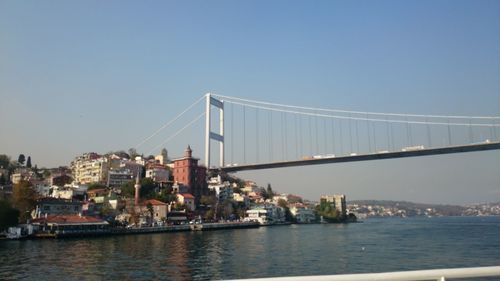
x: 145, y: 230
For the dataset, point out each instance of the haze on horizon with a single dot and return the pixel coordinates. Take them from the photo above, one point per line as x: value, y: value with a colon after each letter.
x: 100, y: 76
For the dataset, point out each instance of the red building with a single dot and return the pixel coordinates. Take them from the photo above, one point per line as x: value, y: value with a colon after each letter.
x: 187, y: 172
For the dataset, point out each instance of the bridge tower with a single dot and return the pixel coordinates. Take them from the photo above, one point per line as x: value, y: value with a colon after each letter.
x: 209, y: 135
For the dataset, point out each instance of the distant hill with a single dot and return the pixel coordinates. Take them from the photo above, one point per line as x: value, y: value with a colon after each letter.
x: 411, y: 207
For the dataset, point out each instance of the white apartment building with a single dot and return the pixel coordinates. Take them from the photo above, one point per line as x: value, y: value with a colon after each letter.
x: 223, y: 190
x: 158, y: 174
x: 117, y: 178
x: 266, y: 214
x: 302, y: 214
x: 90, y: 168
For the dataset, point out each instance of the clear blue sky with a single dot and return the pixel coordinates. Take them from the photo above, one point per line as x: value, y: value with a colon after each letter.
x: 79, y: 76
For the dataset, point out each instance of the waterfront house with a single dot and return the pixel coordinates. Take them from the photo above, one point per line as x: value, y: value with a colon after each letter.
x: 53, y: 206
x: 69, y: 225
x: 266, y: 214
x: 302, y: 214
x: 160, y: 209
x: 188, y: 200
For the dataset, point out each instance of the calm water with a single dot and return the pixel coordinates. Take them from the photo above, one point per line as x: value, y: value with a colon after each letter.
x: 376, y: 245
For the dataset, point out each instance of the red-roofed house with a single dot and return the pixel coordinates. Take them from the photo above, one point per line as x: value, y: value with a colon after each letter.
x: 160, y: 209
x: 187, y: 199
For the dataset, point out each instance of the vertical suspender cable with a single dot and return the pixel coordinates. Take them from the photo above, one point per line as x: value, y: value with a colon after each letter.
x: 429, y: 140
x: 333, y: 136
x: 392, y: 138
x: 296, y: 137
x: 231, y: 134
x: 408, y: 142
x: 270, y: 120
x: 282, y: 144
x: 357, y: 135
x: 471, y: 134
x: 301, y: 138
x: 325, y: 147
x: 257, y: 134
x: 494, y: 128
x: 374, y: 137
x: 449, y: 132
x: 341, y: 138
x: 244, y: 136
x: 369, y: 134
x: 350, y: 132
x: 317, y: 134
x: 387, y: 131
x: 310, y: 135
x: 285, y: 119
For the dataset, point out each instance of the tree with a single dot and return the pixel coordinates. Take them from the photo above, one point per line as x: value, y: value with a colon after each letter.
x: 96, y: 185
x: 147, y: 189
x: 8, y: 215
x: 21, y: 159
x: 164, y: 153
x: 227, y: 209
x: 132, y: 153
x: 128, y: 189
x: 208, y: 200
x: 209, y: 215
x: 288, y: 215
x: 328, y: 211
x: 28, y: 162
x: 151, y: 211
x: 4, y: 161
x: 166, y: 196
x: 23, y: 199
x: 270, y: 191
x: 134, y: 215
x: 46, y: 173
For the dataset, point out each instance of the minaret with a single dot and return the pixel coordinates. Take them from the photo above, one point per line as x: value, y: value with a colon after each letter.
x: 137, y: 189
x: 188, y: 153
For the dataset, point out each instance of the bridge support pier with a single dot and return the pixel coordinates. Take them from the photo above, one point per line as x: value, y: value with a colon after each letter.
x: 209, y: 135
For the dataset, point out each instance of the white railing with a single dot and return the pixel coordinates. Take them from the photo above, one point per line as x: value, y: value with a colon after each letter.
x: 417, y: 275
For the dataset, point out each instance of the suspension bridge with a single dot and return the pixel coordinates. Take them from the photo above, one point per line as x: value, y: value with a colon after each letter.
x: 247, y: 134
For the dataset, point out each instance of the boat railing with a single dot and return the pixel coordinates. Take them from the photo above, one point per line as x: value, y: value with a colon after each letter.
x: 416, y: 275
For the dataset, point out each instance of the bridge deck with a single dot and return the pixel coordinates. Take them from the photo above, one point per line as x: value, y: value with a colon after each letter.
x: 366, y: 157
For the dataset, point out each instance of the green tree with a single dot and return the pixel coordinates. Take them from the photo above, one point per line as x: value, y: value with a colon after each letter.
x: 208, y: 200
x: 270, y: 191
x: 8, y: 215
x: 166, y: 196
x: 128, y: 190
x: 4, y: 161
x: 23, y: 199
x: 288, y: 215
x: 148, y: 188
x: 96, y: 185
x: 132, y: 153
x: 106, y: 210
x: 21, y: 159
x: 209, y: 215
x: 328, y: 211
x: 227, y: 209
x: 28, y: 162
x: 46, y: 173
x: 151, y: 212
